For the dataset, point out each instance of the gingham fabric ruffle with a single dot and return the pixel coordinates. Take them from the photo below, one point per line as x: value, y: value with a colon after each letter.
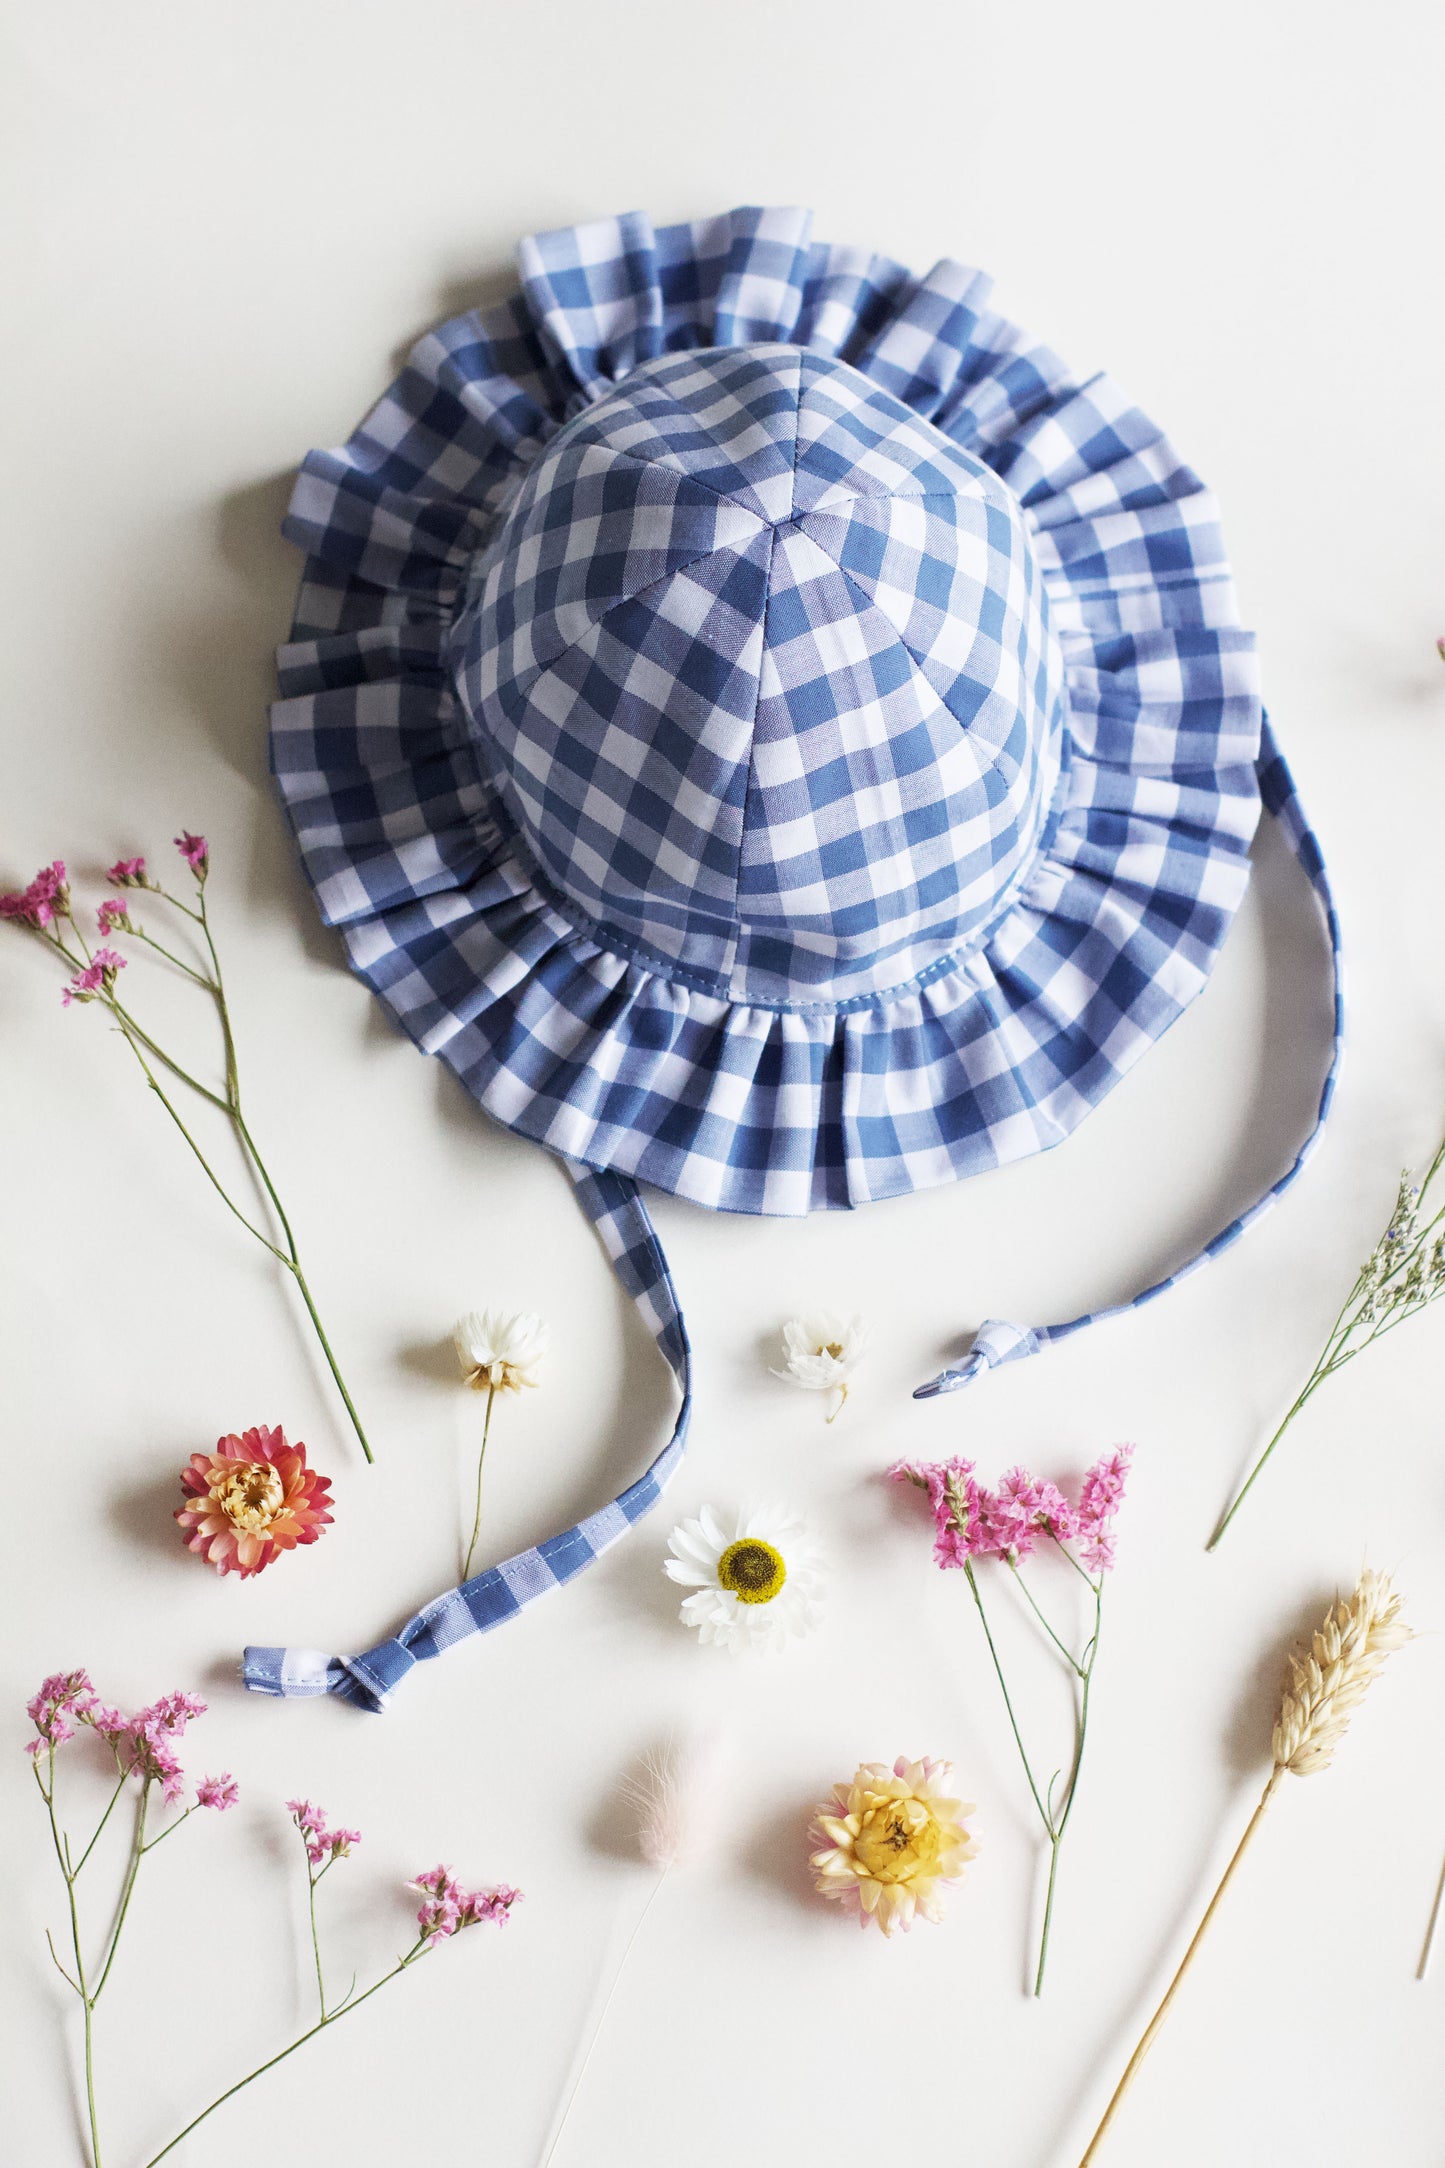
x: 601, y: 1045
x: 463, y: 600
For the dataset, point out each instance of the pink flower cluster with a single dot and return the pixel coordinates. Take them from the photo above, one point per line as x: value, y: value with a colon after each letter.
x: 46, y: 898
x: 972, y: 1522
x: 65, y: 1694
x: 321, y: 1842
x: 98, y: 977
x: 143, y: 1744
x: 113, y: 913
x: 447, y: 1907
x: 195, y: 851
x: 128, y: 873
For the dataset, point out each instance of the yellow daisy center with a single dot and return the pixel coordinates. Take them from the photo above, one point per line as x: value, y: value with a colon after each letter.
x: 251, y: 1495
x: 752, y: 1570
x: 898, y: 1840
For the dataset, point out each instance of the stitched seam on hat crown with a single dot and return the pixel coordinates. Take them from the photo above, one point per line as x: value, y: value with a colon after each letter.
x: 611, y: 941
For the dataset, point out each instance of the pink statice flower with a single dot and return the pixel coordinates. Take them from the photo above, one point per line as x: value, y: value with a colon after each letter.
x: 322, y: 1843
x: 195, y: 851
x: 46, y: 898
x: 447, y: 1907
x: 1099, y: 1500
x: 113, y: 913
x: 98, y: 977
x: 220, y: 1792
x: 972, y: 1522
x: 147, y: 1742
x: 172, y: 1712
x: 55, y: 1707
x: 128, y: 873
x: 154, y: 1760
x: 955, y: 1499
x: 103, y: 1717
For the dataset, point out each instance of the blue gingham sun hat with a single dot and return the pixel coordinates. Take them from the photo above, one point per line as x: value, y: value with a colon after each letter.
x: 776, y: 736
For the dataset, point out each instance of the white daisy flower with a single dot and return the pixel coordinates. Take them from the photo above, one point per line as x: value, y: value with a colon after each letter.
x: 823, y: 1350
x: 499, y: 1350
x: 755, y: 1576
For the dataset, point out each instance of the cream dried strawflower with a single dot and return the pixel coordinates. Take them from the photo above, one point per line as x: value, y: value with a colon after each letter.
x: 821, y: 1353
x: 499, y: 1350
x: 892, y: 1841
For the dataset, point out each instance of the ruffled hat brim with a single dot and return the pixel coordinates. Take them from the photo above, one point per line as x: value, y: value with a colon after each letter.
x: 997, y: 1051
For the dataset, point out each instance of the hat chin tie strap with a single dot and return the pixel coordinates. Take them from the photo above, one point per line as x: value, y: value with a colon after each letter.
x: 614, y: 1204
x: 997, y: 1341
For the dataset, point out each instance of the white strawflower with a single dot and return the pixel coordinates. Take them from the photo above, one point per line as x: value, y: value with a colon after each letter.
x: 822, y: 1351
x: 755, y: 1577
x: 499, y: 1350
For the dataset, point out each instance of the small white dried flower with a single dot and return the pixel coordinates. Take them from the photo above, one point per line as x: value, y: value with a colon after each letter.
x: 499, y: 1350
x: 822, y: 1351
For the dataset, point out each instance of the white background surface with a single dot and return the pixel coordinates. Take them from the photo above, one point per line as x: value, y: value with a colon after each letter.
x: 226, y: 222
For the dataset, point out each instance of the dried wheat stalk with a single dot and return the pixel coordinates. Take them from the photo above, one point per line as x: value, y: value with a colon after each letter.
x: 1323, y: 1688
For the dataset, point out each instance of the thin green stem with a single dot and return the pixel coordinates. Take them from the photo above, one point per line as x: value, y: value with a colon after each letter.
x: 137, y: 1038
x: 169, y: 1830
x: 1068, y: 1655
x: 120, y: 1787
x: 972, y: 1580
x: 135, y: 1031
x: 1080, y: 1738
x: 87, y: 1999
x: 138, y: 1848
x: 310, y: 2034
x: 153, y: 888
x: 1317, y: 1377
x: 170, y: 956
x: 127, y: 1021
x: 293, y: 1259
x: 211, y: 1176
x: 1337, y: 1351
x: 293, y: 1265
x: 481, y: 1459
x: 233, y: 1085
x: 65, y: 1976
x: 331, y: 1363
x: 311, y: 1882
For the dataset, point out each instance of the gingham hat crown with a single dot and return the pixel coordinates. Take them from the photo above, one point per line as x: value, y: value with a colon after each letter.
x: 777, y: 735
x: 761, y: 667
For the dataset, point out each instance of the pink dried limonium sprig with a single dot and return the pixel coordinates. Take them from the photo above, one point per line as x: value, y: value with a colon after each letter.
x: 1024, y: 1515
x: 144, y: 1754
x: 45, y: 909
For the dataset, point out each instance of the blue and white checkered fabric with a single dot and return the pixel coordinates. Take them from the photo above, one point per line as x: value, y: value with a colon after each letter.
x: 647, y: 721
x: 771, y: 731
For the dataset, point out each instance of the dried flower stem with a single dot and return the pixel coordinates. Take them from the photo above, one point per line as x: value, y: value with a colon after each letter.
x: 481, y: 1460
x: 1151, y: 2029
x: 576, y: 2085
x: 1430, y: 1932
x: 1055, y: 1820
x: 1403, y: 1274
x: 343, y: 2009
x: 141, y: 1044
x: 70, y: 1870
x: 1322, y: 1690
